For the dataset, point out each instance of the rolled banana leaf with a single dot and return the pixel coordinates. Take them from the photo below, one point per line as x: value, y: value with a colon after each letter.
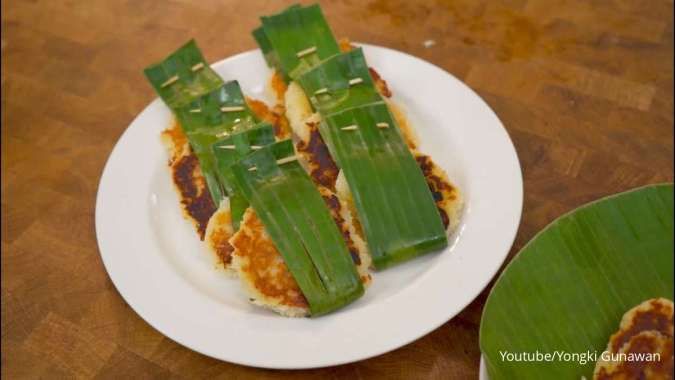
x: 568, y: 288
x: 299, y: 222
x: 300, y: 37
x: 183, y: 76
x: 394, y: 203
x: 230, y: 150
x: 340, y: 82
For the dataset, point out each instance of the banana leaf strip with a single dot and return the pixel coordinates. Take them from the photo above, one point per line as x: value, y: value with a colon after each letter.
x: 340, y: 82
x: 209, y: 118
x: 394, y: 203
x: 569, y: 287
x: 182, y: 76
x: 230, y: 150
x: 298, y: 221
x: 301, y: 38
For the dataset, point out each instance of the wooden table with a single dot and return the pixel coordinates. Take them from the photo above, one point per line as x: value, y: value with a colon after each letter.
x: 584, y: 88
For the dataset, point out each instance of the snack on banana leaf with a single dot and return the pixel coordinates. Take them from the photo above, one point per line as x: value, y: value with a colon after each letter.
x: 196, y: 203
x: 361, y: 135
x: 298, y: 222
x: 263, y: 271
x: 647, y: 329
x: 219, y: 231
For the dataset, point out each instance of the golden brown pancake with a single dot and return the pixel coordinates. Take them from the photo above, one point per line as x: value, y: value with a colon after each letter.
x: 316, y: 157
x: 277, y: 86
x: 345, y: 221
x: 263, y: 271
x: 218, y: 233
x: 646, y: 328
x: 187, y: 177
x: 654, y: 314
x: 274, y: 116
x: 196, y: 202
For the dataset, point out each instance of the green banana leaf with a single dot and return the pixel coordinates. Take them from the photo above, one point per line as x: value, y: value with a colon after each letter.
x: 230, y: 150
x: 340, y: 82
x: 394, y: 203
x: 207, y: 119
x: 182, y: 76
x: 265, y: 45
x: 299, y: 222
x: 570, y: 285
x: 301, y: 38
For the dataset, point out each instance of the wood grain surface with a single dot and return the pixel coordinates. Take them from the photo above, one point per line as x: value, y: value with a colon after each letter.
x: 584, y: 88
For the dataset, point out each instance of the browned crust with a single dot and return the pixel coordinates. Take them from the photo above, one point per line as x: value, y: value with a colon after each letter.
x: 319, y: 163
x: 195, y: 199
x: 176, y: 141
x: 441, y: 190
x: 648, y: 329
x: 274, y: 116
x: 191, y: 184
x: 345, y: 44
x: 380, y: 83
x: 656, y: 315
x: 263, y: 265
x: 218, y: 233
x: 279, y: 86
x: 646, y: 342
x: 334, y: 206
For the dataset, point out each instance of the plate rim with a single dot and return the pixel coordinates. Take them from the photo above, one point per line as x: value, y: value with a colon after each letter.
x: 421, y: 332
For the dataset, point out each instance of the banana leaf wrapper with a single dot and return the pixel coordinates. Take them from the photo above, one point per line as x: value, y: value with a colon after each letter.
x: 299, y: 222
x: 394, y: 203
x: 232, y: 149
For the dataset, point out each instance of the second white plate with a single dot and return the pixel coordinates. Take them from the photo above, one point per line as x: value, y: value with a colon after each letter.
x: 162, y: 270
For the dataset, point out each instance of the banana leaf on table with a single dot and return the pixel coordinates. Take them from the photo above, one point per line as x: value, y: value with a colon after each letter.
x: 568, y: 288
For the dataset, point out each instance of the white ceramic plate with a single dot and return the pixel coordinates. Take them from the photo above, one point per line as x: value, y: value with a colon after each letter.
x: 482, y: 370
x: 163, y: 271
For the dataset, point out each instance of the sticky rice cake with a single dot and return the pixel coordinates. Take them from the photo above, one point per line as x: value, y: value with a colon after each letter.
x: 264, y: 273
x: 213, y: 224
x: 318, y: 162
